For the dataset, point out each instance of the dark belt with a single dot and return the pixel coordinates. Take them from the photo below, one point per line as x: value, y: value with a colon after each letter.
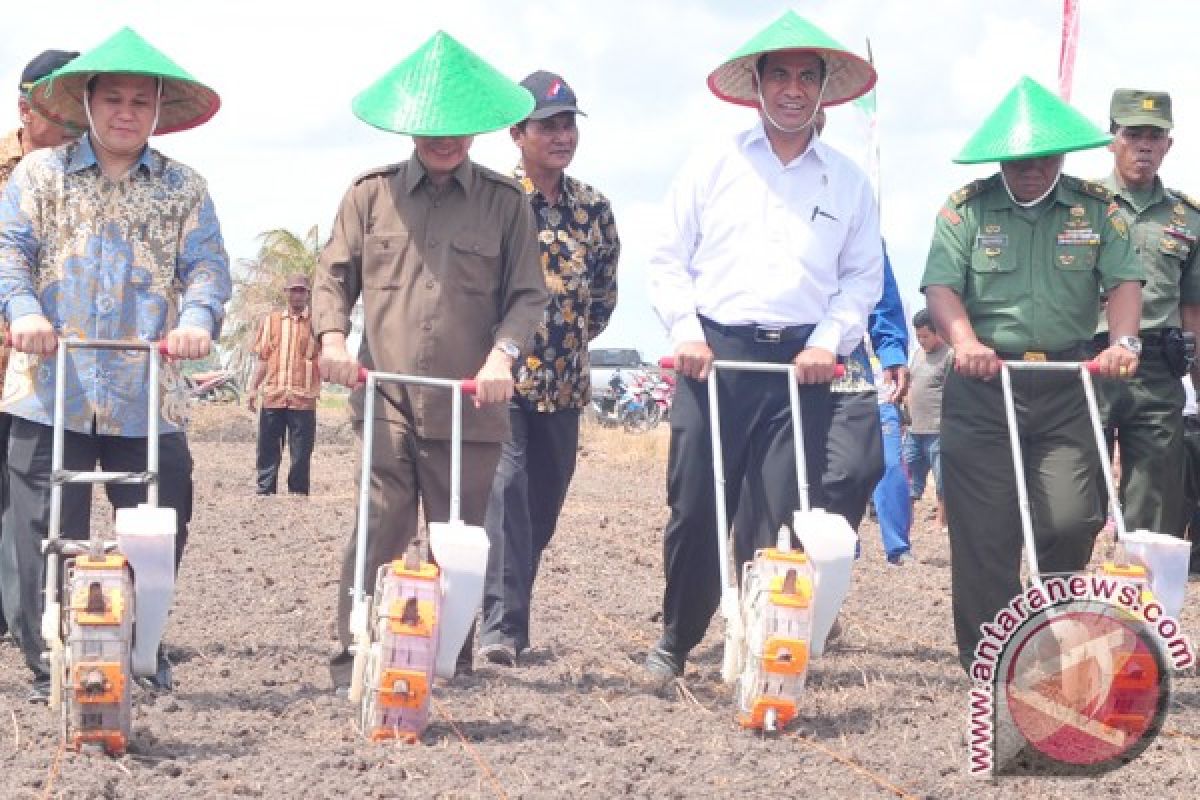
x: 1079, y: 352
x: 768, y: 334
x: 1150, y: 338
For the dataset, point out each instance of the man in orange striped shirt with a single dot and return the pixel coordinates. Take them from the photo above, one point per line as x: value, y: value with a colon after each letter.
x: 289, y: 375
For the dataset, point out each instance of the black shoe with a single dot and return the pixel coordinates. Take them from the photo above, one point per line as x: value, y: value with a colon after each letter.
x: 500, y: 654
x: 39, y: 691
x: 664, y: 665
x: 341, y: 670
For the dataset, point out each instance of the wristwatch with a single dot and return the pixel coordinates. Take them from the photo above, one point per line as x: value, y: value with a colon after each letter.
x: 509, y: 348
x: 1131, y: 343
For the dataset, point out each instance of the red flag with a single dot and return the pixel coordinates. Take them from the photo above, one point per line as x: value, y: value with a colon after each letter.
x: 1066, y: 54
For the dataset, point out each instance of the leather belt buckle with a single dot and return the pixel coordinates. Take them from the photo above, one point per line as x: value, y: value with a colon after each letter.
x: 768, y: 335
x: 1033, y: 355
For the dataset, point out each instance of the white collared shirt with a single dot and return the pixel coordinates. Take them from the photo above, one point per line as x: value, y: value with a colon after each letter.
x: 748, y: 239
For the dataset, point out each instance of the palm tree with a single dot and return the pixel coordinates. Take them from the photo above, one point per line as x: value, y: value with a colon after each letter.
x: 258, y: 289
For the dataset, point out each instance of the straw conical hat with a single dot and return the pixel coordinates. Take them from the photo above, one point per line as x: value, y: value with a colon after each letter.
x: 443, y: 89
x: 186, y: 102
x: 848, y: 75
x: 1031, y: 122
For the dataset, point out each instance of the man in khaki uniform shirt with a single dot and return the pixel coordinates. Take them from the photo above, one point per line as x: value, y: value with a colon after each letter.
x: 1146, y: 412
x: 1014, y: 270
x: 35, y: 133
x: 444, y: 254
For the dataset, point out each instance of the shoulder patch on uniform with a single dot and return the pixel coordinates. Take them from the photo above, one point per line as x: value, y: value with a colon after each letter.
x: 950, y: 215
x: 1090, y: 188
x: 957, y: 198
x: 387, y: 169
x: 1186, y: 198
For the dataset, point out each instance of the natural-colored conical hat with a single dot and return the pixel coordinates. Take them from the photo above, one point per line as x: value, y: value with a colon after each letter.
x: 186, y: 102
x: 848, y: 75
x: 1031, y: 122
x: 443, y: 89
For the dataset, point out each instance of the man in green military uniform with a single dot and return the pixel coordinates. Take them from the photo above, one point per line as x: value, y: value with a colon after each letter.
x: 1146, y: 413
x: 1016, y: 265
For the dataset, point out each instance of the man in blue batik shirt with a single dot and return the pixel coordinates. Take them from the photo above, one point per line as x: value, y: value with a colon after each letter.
x: 104, y: 238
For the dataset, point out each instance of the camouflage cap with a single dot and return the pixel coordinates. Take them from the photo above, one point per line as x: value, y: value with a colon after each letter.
x: 1133, y: 107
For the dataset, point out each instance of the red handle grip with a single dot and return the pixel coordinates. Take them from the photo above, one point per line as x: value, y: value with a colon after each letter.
x: 668, y: 362
x: 1093, y: 367
x: 162, y: 348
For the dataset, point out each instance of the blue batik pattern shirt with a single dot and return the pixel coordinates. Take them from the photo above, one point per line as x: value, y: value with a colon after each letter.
x: 107, y: 259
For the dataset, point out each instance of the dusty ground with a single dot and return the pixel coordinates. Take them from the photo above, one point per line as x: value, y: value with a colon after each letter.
x: 253, y: 716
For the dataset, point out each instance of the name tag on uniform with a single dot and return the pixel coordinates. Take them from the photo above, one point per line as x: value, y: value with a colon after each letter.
x: 988, y: 241
x: 1079, y: 236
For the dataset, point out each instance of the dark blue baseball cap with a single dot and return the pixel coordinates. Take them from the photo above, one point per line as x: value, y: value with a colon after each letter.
x: 551, y: 95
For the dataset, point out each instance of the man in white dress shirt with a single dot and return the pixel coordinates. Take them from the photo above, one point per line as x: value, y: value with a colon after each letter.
x: 771, y: 252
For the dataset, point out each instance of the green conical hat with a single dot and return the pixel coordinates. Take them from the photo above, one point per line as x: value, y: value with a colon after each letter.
x: 186, y: 102
x: 848, y: 75
x: 1030, y: 122
x: 443, y: 89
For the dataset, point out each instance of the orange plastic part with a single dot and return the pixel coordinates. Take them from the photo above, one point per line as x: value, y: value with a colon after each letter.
x: 114, y: 607
x: 403, y: 688
x: 785, y: 711
x: 113, y: 742
x: 114, y: 561
x: 421, y: 626
x: 783, y: 656
x: 385, y: 734
x: 424, y: 572
x: 790, y: 556
x: 800, y: 597
x: 113, y: 682
x: 1136, y: 571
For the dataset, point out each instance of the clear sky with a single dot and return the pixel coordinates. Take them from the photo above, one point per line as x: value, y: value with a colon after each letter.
x: 285, y: 145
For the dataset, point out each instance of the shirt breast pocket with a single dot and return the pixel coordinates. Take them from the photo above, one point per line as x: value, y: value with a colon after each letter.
x: 1076, y: 257
x: 475, y: 263
x: 994, y: 273
x: 383, y: 260
x: 1171, y: 247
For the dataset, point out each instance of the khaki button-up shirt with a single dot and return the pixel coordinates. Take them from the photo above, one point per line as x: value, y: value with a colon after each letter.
x: 443, y: 274
x: 1031, y: 280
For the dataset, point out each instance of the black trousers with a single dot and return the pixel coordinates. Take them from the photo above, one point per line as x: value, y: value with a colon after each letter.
x: 855, y: 455
x: 5, y: 426
x: 756, y: 440
x: 532, y: 478
x: 27, y: 510
x: 299, y: 429
x: 1062, y: 471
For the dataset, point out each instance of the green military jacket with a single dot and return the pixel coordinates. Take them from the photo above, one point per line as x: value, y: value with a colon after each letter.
x: 1164, y: 241
x: 1031, y: 280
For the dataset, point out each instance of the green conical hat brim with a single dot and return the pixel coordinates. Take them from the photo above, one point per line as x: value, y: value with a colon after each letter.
x: 186, y: 102
x: 443, y: 89
x: 848, y: 76
x: 1031, y: 122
